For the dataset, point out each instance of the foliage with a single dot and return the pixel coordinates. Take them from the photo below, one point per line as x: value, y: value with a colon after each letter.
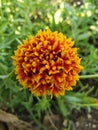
x: 18, y: 19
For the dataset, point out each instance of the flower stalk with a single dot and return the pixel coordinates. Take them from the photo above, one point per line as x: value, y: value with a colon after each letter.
x: 88, y: 76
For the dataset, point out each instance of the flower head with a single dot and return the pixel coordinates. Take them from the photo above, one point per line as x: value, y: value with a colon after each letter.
x: 47, y: 64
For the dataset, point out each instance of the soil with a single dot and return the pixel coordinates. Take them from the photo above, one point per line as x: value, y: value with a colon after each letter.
x: 80, y: 120
x: 86, y: 121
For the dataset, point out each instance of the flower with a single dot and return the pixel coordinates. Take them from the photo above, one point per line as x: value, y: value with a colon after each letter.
x: 47, y: 64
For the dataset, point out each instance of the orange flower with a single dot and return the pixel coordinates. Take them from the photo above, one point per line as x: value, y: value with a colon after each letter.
x: 47, y: 64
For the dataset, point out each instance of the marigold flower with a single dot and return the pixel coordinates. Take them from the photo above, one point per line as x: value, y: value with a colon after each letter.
x: 47, y: 64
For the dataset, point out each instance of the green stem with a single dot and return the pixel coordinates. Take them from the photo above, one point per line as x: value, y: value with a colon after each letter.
x: 88, y: 76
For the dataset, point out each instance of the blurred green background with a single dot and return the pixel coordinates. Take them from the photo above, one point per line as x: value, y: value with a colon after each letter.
x: 77, y: 19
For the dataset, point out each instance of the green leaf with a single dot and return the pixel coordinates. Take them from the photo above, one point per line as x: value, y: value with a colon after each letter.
x: 83, y: 36
x: 7, y: 75
x: 3, y: 69
x: 42, y: 104
x: 81, y: 100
